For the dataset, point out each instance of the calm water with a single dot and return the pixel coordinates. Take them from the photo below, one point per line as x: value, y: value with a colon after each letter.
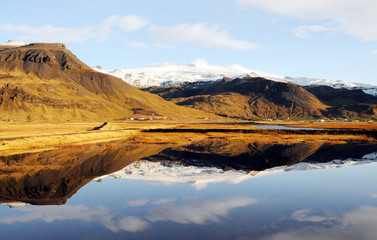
x: 284, y: 127
x: 207, y: 190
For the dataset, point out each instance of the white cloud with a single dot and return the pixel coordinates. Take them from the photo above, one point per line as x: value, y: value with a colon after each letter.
x: 199, y: 34
x: 126, y: 23
x: 304, y: 31
x: 138, y: 202
x: 132, y: 23
x: 49, y: 33
x: 199, y: 212
x: 354, y: 17
x: 162, y: 46
x: 137, y: 44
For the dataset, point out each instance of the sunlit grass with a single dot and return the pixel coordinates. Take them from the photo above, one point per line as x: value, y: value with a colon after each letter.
x: 19, y: 138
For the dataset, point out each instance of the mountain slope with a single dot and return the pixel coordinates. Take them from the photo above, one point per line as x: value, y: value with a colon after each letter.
x: 47, y: 82
x: 199, y: 70
x: 245, y: 98
x: 346, y: 103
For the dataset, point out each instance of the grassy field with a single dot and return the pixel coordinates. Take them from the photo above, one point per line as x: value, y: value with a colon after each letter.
x: 20, y: 137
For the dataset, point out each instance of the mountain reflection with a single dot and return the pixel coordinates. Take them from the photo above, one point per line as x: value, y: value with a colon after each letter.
x: 250, y: 157
x: 52, y: 177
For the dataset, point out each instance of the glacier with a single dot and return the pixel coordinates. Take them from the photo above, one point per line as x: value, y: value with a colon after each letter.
x: 199, y: 70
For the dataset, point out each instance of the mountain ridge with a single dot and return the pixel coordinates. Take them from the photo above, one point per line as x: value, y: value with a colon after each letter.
x: 199, y: 70
x: 46, y: 82
x: 245, y: 98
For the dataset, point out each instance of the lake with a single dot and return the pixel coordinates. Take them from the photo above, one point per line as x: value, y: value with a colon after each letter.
x: 209, y: 189
x: 278, y: 127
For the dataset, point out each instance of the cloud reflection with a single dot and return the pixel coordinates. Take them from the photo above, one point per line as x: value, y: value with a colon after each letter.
x: 138, y: 202
x: 163, y: 201
x: 373, y: 195
x: 358, y: 224
x: 199, y: 212
x: 100, y: 215
x: 304, y: 215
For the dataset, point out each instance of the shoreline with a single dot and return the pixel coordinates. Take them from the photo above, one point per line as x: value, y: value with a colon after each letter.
x: 23, y: 138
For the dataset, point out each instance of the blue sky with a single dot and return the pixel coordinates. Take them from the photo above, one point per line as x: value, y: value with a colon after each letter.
x: 334, y: 39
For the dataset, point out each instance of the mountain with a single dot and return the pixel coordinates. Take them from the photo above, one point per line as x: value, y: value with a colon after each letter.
x: 256, y: 97
x: 172, y: 74
x: 199, y: 70
x: 46, y: 82
x: 337, y: 84
x: 346, y: 103
x: 247, y: 98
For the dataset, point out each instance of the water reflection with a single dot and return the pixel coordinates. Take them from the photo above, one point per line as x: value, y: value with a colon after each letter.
x: 196, y: 212
x: 360, y: 223
x: 250, y: 157
x: 284, y: 127
x: 339, y: 203
x: 52, y: 177
x: 199, y: 212
x: 210, y: 161
x: 101, y: 215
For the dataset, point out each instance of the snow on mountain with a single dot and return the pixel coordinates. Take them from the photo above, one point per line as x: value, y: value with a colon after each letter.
x: 14, y: 43
x: 169, y: 73
x: 199, y: 177
x: 304, y: 81
x: 15, y: 204
x: 199, y: 70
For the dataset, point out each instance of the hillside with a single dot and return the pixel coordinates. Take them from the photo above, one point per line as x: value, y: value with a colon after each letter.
x: 245, y: 98
x: 346, y: 103
x: 46, y: 82
x: 199, y: 70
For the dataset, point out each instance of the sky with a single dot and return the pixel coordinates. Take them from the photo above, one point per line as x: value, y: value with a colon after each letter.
x: 333, y: 39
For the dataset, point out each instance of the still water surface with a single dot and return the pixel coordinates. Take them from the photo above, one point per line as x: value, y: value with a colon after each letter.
x: 284, y: 127
x: 207, y: 190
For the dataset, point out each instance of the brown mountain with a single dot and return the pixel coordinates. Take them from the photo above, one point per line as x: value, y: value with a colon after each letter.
x: 47, y: 82
x: 346, y: 103
x: 245, y: 98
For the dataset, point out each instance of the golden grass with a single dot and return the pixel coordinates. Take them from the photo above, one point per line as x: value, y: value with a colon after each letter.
x: 33, y: 143
x: 184, y: 138
x: 332, y: 124
x: 19, y: 138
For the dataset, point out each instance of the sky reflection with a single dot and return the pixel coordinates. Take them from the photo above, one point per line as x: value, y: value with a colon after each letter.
x: 360, y: 223
x: 195, y: 212
x: 336, y: 201
x: 199, y: 212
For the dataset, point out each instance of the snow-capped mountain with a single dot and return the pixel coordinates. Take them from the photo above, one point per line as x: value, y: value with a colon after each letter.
x: 304, y: 81
x: 200, y: 70
x: 169, y: 73
x: 14, y: 43
x: 199, y: 177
